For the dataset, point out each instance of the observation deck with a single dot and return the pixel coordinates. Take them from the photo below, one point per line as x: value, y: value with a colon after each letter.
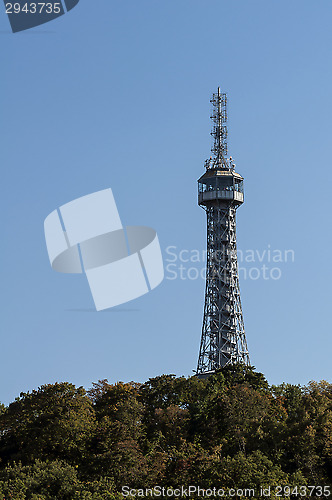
x: 220, y: 185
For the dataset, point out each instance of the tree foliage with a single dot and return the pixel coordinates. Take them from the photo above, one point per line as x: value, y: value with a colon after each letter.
x: 229, y: 430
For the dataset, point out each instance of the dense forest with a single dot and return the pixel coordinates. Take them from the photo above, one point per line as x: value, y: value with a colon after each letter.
x: 232, y: 431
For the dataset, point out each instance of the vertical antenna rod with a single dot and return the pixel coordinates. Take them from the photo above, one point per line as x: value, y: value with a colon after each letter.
x: 219, y: 130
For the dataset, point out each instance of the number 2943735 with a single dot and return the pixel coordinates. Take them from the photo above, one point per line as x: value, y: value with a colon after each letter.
x: 33, y: 8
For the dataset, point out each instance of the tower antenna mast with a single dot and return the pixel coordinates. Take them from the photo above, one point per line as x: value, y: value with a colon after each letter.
x: 219, y: 132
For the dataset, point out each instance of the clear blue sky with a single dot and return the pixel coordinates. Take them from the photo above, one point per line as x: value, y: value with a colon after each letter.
x: 116, y: 94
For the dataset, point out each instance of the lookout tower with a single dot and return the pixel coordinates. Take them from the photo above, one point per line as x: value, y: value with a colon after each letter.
x: 220, y: 193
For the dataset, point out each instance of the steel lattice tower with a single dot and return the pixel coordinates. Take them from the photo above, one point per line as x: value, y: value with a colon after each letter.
x: 220, y: 193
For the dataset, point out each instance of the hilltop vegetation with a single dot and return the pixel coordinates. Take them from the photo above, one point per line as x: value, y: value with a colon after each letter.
x: 231, y: 430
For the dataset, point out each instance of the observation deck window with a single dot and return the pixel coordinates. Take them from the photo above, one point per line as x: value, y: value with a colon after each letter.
x: 238, y: 185
x: 216, y: 184
x: 222, y: 183
x: 207, y: 185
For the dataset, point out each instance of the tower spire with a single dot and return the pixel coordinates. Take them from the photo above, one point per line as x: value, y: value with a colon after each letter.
x: 219, y: 131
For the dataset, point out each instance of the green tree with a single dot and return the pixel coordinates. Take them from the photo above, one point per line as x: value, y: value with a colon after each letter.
x: 116, y: 445
x: 251, y: 471
x: 52, y: 422
x: 238, y: 374
x: 52, y: 480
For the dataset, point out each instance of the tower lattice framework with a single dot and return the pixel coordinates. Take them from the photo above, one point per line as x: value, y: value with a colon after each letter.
x: 220, y: 193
